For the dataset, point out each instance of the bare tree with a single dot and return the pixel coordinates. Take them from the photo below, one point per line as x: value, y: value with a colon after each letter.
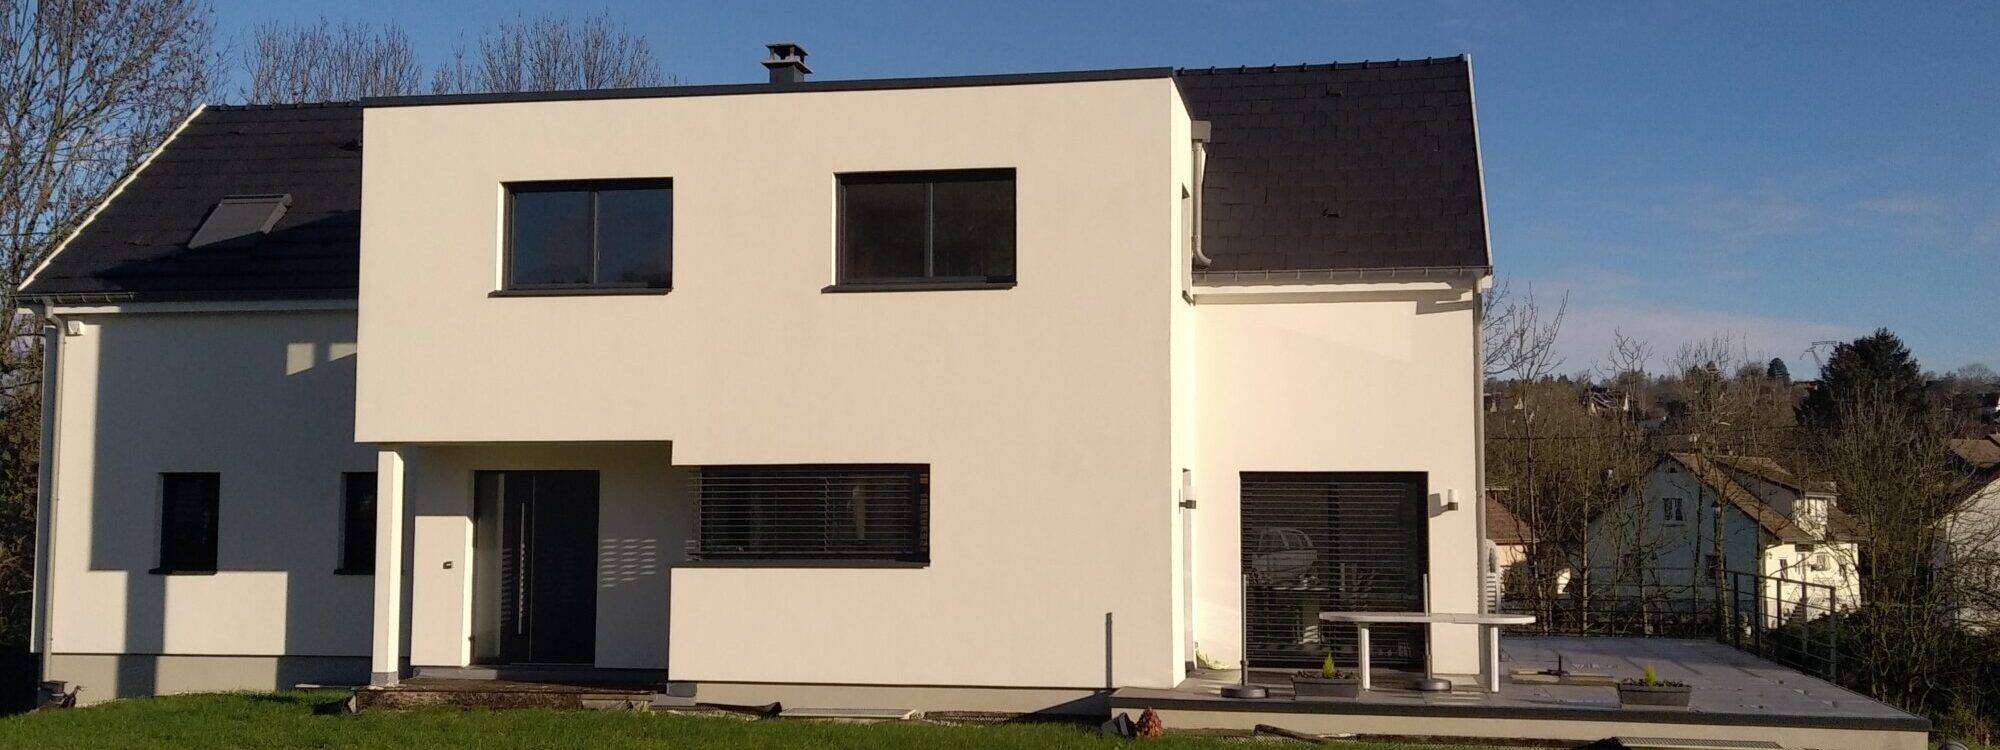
x: 551, y: 53
x: 324, y: 61
x: 1519, y: 341
x: 1893, y: 469
x: 87, y: 87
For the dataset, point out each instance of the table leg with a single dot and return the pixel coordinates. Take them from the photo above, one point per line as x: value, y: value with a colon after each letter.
x: 1361, y: 629
x: 1492, y: 658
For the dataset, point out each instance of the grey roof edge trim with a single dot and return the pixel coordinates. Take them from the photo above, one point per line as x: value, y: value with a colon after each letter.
x: 260, y: 295
x: 1479, y: 158
x: 735, y: 89
x: 1356, y: 65
x: 336, y: 104
x: 1306, y: 276
x: 27, y: 283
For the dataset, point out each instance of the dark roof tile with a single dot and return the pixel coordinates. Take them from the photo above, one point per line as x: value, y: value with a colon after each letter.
x: 136, y: 247
x: 1341, y: 166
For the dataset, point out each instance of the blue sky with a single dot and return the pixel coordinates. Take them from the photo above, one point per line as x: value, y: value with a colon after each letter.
x: 1779, y: 173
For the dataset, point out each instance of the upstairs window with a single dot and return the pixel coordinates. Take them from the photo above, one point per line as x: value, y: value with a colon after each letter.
x: 583, y: 236
x: 189, y: 507
x: 357, y: 523
x: 927, y: 228
x: 838, y: 514
x: 1673, y: 510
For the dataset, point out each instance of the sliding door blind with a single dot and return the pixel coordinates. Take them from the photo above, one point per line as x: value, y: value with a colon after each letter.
x: 802, y: 513
x: 1328, y: 541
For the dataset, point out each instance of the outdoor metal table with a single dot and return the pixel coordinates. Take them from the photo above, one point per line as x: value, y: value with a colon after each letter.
x: 1489, y: 625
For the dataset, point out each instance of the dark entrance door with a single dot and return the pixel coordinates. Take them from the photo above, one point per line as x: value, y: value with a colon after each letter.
x: 535, y: 533
x: 1333, y: 541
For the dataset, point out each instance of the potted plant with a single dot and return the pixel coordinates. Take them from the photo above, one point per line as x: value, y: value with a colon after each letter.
x: 1325, y: 682
x: 1650, y: 690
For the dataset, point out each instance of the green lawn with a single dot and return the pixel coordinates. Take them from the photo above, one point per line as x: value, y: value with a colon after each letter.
x: 314, y: 719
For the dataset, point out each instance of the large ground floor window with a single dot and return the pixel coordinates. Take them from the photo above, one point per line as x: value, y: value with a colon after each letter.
x: 814, y: 513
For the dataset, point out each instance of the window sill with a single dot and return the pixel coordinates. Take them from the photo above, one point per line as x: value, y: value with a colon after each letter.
x: 354, y: 571
x: 178, y: 572
x: 612, y: 291
x: 916, y: 286
x: 804, y: 564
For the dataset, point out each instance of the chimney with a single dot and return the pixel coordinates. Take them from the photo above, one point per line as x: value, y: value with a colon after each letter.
x: 787, y: 63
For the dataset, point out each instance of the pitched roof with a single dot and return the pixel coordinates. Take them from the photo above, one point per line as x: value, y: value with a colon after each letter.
x: 1313, y: 168
x: 1844, y: 525
x: 1502, y: 526
x: 1770, y: 471
x: 1340, y: 167
x: 1711, y: 473
x: 1979, y: 453
x: 136, y: 247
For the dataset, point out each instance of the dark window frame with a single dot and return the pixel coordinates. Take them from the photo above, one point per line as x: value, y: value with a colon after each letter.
x: 1673, y: 510
x: 511, y: 288
x: 352, y: 562
x: 914, y: 554
x: 844, y: 282
x: 172, y: 519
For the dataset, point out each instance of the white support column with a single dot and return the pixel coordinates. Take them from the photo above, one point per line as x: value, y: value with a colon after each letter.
x: 386, y: 657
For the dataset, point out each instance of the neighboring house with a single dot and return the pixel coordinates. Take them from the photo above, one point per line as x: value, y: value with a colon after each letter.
x: 1983, y: 406
x: 1972, y: 542
x: 1776, y: 527
x: 1604, y: 400
x: 980, y: 391
x: 1507, y: 545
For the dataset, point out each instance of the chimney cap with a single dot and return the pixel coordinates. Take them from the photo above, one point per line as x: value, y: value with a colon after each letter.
x: 785, y: 53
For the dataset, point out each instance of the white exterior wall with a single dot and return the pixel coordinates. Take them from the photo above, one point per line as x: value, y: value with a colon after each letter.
x: 264, y: 399
x: 1795, y: 562
x: 1972, y: 547
x: 1338, y: 380
x: 1043, y: 410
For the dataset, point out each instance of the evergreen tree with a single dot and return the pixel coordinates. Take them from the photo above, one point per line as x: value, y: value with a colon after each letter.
x: 1873, y: 368
x: 1778, y: 371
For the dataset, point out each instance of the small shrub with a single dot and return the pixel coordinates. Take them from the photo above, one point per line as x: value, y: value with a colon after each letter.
x: 1327, y: 671
x: 1652, y: 679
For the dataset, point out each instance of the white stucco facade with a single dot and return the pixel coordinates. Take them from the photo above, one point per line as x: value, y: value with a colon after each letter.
x: 261, y: 398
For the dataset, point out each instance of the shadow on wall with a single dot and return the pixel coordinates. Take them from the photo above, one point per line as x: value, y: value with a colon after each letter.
x: 272, y: 414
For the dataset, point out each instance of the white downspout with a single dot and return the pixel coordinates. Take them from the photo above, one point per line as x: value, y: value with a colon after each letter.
x: 1200, y: 131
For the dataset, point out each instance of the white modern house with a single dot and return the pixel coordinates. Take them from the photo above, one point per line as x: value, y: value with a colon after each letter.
x: 981, y: 392
x: 1774, y: 526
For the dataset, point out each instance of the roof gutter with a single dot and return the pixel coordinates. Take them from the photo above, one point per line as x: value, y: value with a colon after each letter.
x: 1338, y: 275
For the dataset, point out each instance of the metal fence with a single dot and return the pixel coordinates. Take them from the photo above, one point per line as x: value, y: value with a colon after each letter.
x: 1794, y: 623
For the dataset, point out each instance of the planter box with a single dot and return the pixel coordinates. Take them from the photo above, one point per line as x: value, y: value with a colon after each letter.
x: 1675, y: 696
x: 1321, y: 688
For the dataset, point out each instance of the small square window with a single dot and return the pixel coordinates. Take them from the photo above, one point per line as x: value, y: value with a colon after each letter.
x: 612, y: 234
x: 190, y: 504
x: 927, y: 227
